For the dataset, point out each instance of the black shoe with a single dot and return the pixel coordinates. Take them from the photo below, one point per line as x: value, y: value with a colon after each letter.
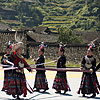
x: 65, y: 92
x: 44, y: 90
x: 37, y: 90
x: 83, y: 95
x: 93, y: 96
x: 18, y: 97
x: 13, y: 96
x: 3, y: 89
x: 58, y: 92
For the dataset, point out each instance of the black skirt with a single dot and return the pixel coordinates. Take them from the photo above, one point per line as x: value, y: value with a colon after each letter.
x: 89, y: 84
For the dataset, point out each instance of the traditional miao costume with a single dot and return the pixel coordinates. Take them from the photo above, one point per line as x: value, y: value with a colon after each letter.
x: 89, y: 83
x: 7, y: 73
x: 40, y: 78
x: 60, y: 81
x: 17, y: 85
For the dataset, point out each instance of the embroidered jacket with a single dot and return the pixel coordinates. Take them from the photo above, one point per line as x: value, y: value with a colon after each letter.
x: 19, y: 62
x: 89, y: 62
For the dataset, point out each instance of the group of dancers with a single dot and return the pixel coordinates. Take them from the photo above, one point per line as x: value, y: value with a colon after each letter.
x: 15, y: 83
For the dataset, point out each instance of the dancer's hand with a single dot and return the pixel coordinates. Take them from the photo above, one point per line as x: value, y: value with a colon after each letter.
x: 91, y: 70
x: 5, y: 61
x: 55, y: 61
x: 35, y: 60
x: 81, y: 68
x: 8, y: 62
x: 32, y: 70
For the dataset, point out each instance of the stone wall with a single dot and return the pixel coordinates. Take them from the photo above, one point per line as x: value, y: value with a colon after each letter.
x: 74, y: 54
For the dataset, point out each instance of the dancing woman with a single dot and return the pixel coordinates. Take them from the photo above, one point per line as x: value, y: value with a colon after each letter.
x: 40, y: 79
x: 17, y: 85
x: 89, y: 83
x: 7, y: 73
x: 60, y: 81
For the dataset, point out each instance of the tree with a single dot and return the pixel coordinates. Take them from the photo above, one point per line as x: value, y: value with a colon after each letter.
x: 67, y: 36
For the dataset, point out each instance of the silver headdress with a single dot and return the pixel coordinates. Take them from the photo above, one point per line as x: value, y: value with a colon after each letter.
x: 42, y: 45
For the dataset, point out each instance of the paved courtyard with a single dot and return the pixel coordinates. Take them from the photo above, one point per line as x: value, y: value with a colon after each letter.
x: 74, y: 79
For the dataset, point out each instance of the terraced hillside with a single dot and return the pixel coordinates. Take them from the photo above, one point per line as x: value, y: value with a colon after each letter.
x: 75, y: 14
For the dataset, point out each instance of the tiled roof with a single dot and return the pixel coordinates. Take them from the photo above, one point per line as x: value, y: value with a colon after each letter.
x: 41, y: 29
x: 88, y: 36
x: 4, y: 26
x: 8, y: 9
x: 42, y: 37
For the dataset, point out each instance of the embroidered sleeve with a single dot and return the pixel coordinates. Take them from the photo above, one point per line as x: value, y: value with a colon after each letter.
x: 94, y: 64
x: 13, y: 55
x: 83, y: 63
x: 26, y: 65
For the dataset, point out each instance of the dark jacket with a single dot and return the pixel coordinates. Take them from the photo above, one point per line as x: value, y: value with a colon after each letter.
x: 61, y: 63
x: 40, y: 60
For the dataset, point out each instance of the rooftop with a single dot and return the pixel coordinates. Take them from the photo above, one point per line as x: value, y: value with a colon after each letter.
x: 42, y: 37
x: 88, y: 36
x: 7, y: 9
x: 4, y: 26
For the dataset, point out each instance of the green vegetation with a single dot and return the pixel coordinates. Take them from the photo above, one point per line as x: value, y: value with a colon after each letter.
x: 75, y: 14
x: 67, y: 36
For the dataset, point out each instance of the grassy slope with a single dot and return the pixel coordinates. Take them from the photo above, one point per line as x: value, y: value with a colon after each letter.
x: 70, y: 13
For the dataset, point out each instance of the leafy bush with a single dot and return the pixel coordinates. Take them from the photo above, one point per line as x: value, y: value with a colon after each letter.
x: 67, y: 36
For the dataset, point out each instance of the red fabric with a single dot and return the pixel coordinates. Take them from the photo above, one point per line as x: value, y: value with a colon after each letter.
x: 59, y: 48
x: 21, y: 77
x: 17, y: 60
x: 10, y: 47
x: 24, y: 61
x: 24, y: 88
x: 86, y: 83
x: 90, y: 47
x: 60, y: 83
x: 41, y: 48
x: 15, y: 52
x: 41, y: 81
x: 6, y: 84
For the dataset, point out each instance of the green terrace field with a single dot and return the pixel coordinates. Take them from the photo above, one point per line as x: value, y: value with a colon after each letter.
x: 69, y: 13
x: 57, y: 21
x: 75, y: 14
